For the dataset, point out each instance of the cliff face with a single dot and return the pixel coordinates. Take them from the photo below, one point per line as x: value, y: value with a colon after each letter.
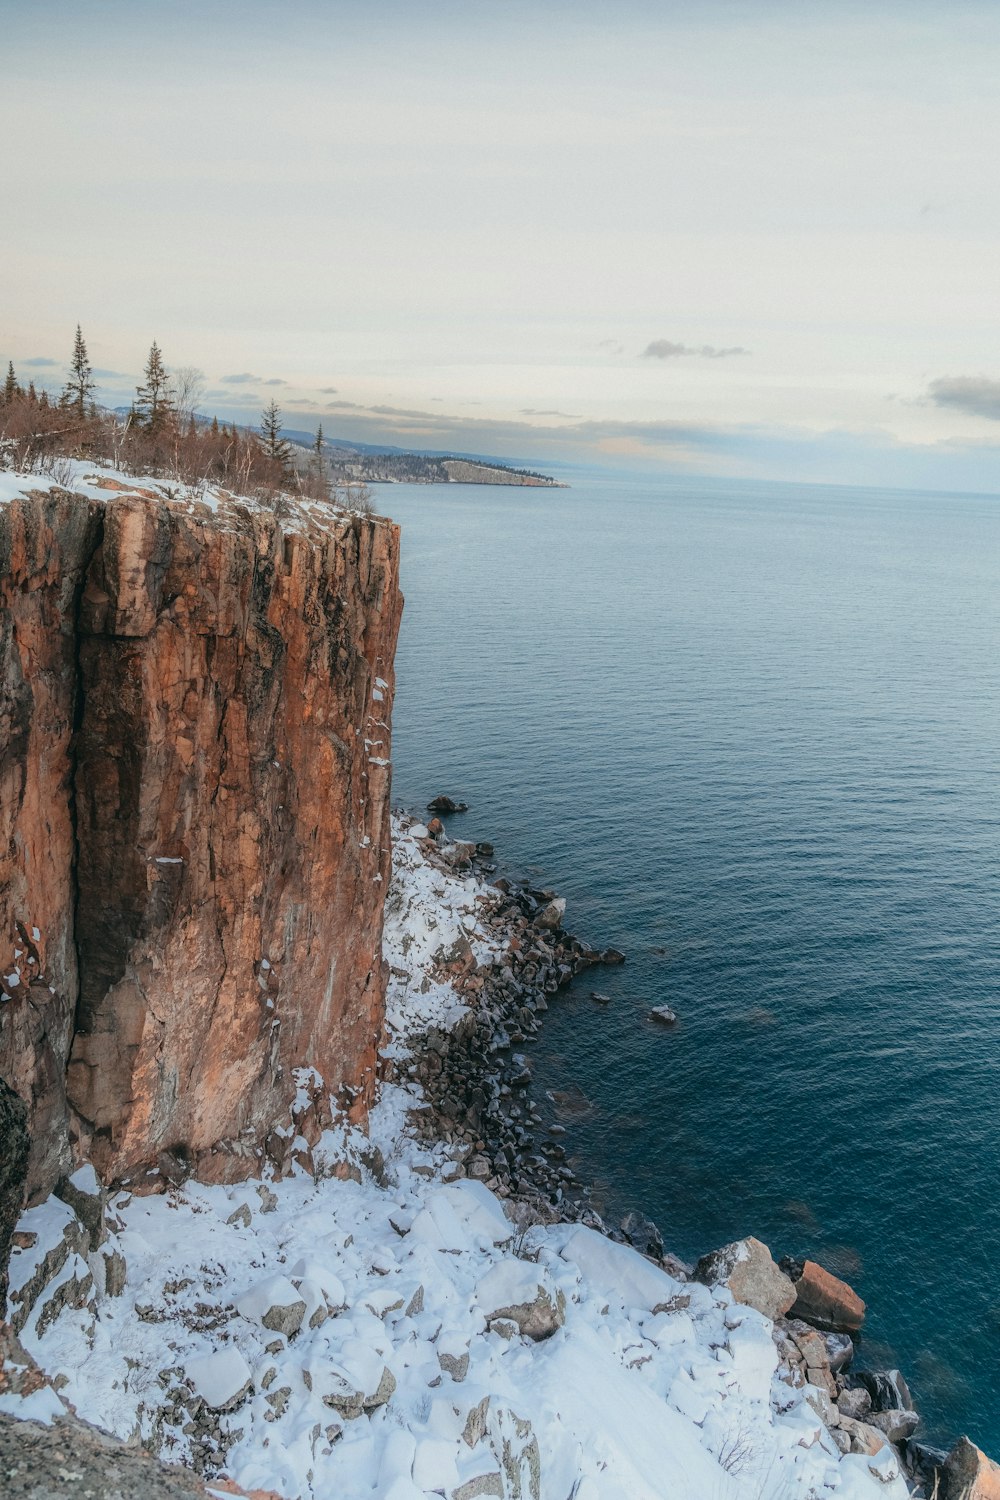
x: 195, y: 797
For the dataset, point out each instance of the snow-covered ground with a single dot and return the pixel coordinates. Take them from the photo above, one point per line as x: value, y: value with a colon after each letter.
x: 387, y: 1332
x: 102, y: 481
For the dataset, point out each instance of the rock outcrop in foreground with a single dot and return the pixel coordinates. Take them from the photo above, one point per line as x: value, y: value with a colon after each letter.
x: 194, y: 845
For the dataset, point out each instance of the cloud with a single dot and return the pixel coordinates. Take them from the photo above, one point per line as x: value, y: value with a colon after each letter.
x: 328, y: 390
x: 274, y: 382
x: 240, y: 380
x: 110, y: 375
x: 532, y: 411
x: 39, y: 364
x: 610, y: 346
x: 666, y: 349
x: 973, y: 394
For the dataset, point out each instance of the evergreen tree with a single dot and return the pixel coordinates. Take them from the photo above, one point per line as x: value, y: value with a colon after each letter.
x: 32, y: 393
x: 273, y: 444
x: 10, y: 386
x: 153, y: 406
x: 80, y: 385
x: 318, y: 444
x: 215, y: 427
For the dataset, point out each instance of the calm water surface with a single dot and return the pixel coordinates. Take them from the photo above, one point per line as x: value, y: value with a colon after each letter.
x: 751, y: 733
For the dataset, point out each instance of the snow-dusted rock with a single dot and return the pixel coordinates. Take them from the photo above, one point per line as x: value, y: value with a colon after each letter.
x: 274, y: 1304
x: 550, y: 916
x: 519, y: 1292
x: 221, y: 1379
x: 621, y: 1274
x: 746, y: 1267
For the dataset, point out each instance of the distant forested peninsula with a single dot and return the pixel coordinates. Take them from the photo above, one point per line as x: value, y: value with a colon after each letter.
x: 419, y: 468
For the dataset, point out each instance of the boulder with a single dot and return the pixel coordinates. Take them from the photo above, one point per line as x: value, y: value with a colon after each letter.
x: 839, y: 1349
x: 642, y: 1233
x: 887, y: 1388
x: 748, y: 1270
x: 664, y: 1014
x: 969, y: 1475
x: 221, y: 1379
x: 447, y: 805
x: 864, y: 1438
x: 827, y: 1302
x: 897, y: 1424
x: 550, y: 917
x: 274, y: 1304
x: 856, y: 1404
x: 521, y: 1293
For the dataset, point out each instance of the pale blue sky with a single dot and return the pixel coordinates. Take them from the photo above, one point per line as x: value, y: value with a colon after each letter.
x: 726, y: 237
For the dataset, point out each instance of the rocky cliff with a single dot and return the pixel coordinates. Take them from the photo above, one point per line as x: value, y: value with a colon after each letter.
x: 194, y: 845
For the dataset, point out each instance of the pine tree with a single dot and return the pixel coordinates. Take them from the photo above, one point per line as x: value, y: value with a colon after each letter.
x: 80, y: 385
x: 318, y: 444
x: 10, y: 386
x: 273, y: 444
x: 215, y: 427
x: 32, y: 393
x: 153, y: 406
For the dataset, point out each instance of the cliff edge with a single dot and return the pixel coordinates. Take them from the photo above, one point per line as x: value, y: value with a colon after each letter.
x: 194, y: 840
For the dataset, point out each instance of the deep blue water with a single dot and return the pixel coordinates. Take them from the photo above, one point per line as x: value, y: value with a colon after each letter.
x: 751, y: 733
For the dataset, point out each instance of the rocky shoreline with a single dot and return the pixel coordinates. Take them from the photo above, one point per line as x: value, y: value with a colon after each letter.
x: 476, y: 1085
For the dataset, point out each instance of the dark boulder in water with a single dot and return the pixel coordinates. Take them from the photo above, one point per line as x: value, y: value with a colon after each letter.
x: 642, y: 1234
x: 447, y: 805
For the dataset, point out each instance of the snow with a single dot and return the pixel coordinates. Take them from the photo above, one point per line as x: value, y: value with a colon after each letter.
x: 84, y: 1179
x: 102, y: 482
x: 218, y: 1378
x: 652, y: 1389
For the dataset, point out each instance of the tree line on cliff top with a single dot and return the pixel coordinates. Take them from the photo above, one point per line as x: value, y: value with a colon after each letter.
x: 161, y: 434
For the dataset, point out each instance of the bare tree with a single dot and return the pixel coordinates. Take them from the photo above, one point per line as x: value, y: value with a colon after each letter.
x: 188, y: 383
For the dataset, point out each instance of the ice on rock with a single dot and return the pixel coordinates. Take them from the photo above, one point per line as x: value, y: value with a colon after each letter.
x: 220, y: 1379
x: 274, y: 1304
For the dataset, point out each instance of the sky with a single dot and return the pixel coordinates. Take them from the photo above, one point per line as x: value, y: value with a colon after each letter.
x: 727, y: 237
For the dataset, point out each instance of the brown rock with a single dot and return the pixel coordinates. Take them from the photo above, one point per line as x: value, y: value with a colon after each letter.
x: 748, y: 1270
x: 46, y: 541
x: 231, y: 797
x: 826, y: 1301
x: 969, y: 1475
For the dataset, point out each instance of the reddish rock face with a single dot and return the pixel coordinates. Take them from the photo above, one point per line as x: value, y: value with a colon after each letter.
x: 231, y: 677
x: 826, y: 1301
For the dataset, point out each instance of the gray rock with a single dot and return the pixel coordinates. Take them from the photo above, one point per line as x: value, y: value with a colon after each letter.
x: 746, y: 1267
x: 115, y: 1271
x: 550, y: 917
x: 896, y: 1425
x: 36, y: 1463
x: 483, y: 1484
x: 855, y: 1404
x: 839, y: 1350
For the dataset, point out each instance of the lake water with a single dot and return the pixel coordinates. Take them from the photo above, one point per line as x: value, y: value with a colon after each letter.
x: 751, y: 733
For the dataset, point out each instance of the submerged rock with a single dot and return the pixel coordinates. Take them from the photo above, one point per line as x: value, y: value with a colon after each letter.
x: 664, y: 1014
